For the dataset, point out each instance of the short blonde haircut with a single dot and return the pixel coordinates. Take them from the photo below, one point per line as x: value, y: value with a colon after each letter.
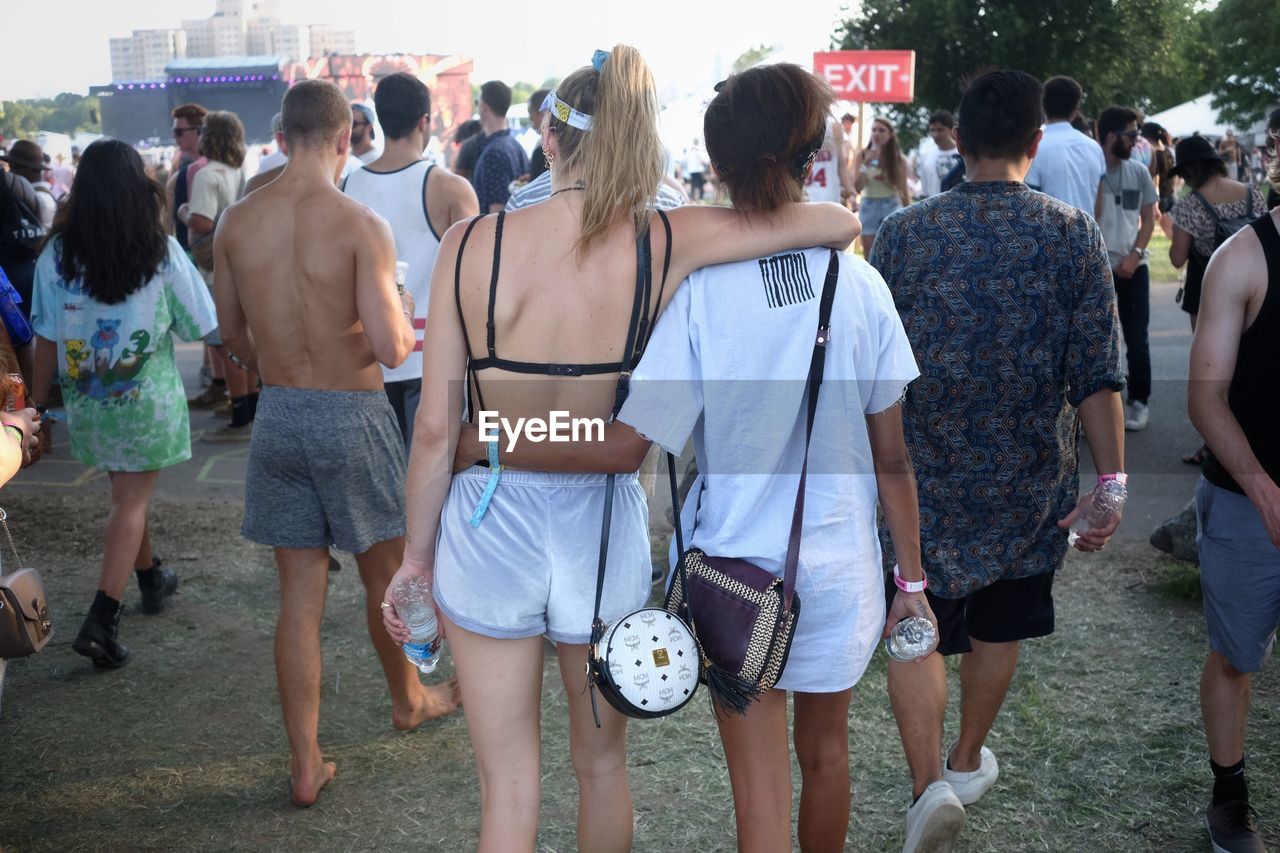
x: 621, y: 158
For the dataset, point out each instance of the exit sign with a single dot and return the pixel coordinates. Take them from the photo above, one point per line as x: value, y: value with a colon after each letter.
x: 873, y: 76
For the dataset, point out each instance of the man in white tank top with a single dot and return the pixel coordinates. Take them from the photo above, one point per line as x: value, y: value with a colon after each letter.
x: 828, y: 178
x: 420, y: 202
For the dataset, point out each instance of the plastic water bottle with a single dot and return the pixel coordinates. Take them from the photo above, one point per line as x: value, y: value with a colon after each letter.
x: 913, y: 637
x: 402, y: 275
x: 1108, y: 502
x: 412, y: 598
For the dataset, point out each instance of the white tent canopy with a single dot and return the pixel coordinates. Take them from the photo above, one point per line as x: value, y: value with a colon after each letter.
x: 1195, y: 116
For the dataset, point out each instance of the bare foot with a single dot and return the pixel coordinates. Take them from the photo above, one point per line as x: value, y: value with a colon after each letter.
x: 436, y: 700
x: 305, y: 789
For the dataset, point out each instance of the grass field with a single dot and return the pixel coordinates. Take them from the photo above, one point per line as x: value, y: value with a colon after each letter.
x: 1100, y: 742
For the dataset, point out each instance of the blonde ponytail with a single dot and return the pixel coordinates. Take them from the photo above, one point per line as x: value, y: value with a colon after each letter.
x: 620, y: 160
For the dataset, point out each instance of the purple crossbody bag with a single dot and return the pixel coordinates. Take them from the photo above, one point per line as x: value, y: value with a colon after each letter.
x: 744, y: 617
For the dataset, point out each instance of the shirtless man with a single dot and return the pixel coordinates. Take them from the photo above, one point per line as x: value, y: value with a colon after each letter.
x: 306, y: 296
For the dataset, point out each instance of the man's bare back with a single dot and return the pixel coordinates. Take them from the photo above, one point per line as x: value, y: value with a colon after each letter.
x: 305, y: 284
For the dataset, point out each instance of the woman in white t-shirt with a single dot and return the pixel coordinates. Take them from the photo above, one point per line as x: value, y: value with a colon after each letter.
x: 727, y: 364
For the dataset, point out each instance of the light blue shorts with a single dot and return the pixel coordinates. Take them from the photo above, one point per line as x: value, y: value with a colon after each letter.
x: 1239, y: 576
x: 873, y: 211
x: 530, y: 566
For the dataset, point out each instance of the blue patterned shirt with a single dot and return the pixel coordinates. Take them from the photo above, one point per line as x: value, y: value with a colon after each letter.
x: 501, y: 161
x: 1007, y: 299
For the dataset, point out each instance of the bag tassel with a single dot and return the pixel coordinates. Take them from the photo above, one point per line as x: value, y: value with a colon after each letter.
x: 730, y: 692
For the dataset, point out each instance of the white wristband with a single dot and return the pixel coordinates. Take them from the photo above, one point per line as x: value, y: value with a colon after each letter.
x: 909, y: 586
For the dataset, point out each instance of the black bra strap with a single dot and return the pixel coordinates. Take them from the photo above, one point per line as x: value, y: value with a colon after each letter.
x: 666, y: 268
x: 462, y: 322
x: 493, y: 282
x: 630, y: 350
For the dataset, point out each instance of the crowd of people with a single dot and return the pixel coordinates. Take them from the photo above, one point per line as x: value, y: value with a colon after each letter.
x: 363, y: 309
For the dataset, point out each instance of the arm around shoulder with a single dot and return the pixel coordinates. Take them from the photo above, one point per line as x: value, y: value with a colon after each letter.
x: 714, y: 235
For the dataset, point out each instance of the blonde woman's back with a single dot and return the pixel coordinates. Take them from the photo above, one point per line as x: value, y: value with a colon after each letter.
x: 561, y: 316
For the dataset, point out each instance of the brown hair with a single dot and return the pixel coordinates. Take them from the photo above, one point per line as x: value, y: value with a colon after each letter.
x: 891, y: 162
x: 314, y: 114
x: 222, y: 138
x: 763, y: 129
x: 193, y: 113
x: 620, y: 159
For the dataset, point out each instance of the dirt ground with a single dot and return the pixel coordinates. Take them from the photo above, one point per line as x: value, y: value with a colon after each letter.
x: 1100, y: 742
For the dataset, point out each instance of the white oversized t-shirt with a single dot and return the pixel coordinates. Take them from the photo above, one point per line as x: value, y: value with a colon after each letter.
x: 728, y: 364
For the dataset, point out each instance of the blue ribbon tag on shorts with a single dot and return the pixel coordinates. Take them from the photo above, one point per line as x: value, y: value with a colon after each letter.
x: 495, y: 472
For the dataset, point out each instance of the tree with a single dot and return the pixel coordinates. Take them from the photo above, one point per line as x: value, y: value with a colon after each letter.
x: 1247, y: 33
x: 1141, y: 53
x: 67, y: 113
x: 752, y: 57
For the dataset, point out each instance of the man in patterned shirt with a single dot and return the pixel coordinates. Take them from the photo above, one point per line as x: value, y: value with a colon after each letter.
x: 501, y: 159
x: 1006, y: 297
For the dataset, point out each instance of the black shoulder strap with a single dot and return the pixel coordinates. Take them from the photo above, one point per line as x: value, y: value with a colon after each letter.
x: 666, y: 268
x: 457, y: 300
x: 493, y: 284
x: 634, y: 346
x: 1265, y: 227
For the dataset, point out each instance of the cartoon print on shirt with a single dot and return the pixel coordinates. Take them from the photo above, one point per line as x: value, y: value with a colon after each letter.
x: 76, y: 355
x: 110, y: 380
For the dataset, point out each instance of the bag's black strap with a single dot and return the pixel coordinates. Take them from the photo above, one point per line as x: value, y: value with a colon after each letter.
x: 817, y: 365
x: 631, y: 354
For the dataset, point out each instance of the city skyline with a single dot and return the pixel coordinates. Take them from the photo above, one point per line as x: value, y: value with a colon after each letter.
x: 687, y: 46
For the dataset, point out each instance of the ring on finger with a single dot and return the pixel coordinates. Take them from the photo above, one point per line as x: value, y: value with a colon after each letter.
x: 386, y: 604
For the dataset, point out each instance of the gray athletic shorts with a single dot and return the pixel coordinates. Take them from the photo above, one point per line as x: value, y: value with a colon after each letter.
x: 325, y: 468
x: 1239, y: 576
x: 529, y: 568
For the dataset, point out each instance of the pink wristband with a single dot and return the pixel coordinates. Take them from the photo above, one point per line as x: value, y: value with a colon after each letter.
x: 909, y: 586
x: 1120, y: 477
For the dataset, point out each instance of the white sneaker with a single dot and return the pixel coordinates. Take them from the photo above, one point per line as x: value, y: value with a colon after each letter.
x: 1136, y: 416
x: 935, y: 821
x: 970, y: 787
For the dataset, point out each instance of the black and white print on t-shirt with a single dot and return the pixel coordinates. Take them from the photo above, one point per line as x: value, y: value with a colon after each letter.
x: 786, y: 280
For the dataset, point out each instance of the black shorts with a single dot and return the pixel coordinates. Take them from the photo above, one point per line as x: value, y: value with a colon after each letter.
x: 1004, y: 612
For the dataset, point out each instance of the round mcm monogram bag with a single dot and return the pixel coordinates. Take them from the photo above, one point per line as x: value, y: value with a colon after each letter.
x: 645, y: 664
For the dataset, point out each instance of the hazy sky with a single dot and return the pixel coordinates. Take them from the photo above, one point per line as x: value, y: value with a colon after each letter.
x: 688, y: 43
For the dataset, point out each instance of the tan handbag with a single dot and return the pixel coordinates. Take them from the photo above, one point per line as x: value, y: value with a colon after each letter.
x: 25, y: 625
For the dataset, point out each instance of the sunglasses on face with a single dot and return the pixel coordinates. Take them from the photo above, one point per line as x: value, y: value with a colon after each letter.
x: 360, y: 124
x: 179, y: 131
x: 1129, y: 134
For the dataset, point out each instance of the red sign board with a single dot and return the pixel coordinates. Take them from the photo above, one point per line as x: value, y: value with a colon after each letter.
x: 873, y: 76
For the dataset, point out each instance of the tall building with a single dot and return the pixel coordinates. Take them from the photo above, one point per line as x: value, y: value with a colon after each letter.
x: 236, y: 28
x: 326, y: 40
x: 143, y: 55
